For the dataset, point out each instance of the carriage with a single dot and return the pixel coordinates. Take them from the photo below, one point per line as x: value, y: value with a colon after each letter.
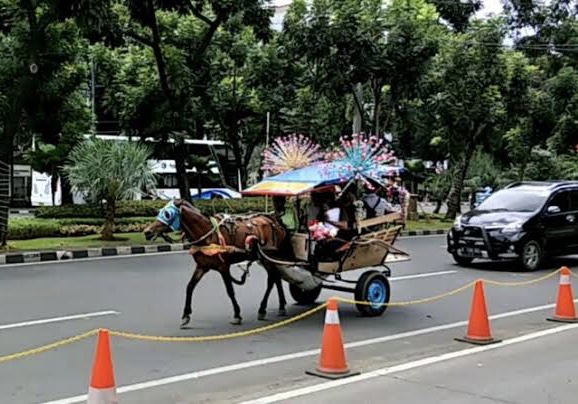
x: 371, y: 247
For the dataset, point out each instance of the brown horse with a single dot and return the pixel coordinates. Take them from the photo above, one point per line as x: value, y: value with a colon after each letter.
x: 220, y: 242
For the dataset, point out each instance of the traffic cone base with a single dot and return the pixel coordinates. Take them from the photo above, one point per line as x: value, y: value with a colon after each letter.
x: 102, y: 388
x: 479, y: 341
x: 563, y: 320
x: 332, y: 375
x: 479, y: 332
x: 332, y: 361
x: 102, y: 396
x: 565, y: 311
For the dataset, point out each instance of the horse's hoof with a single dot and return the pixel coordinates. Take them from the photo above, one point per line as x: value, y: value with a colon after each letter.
x: 261, y: 316
x: 236, y: 321
x: 282, y: 313
x: 186, y: 320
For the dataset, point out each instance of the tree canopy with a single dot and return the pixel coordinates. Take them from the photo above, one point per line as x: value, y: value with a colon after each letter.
x: 438, y: 80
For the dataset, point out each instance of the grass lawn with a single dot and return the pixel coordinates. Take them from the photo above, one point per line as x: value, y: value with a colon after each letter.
x: 62, y: 243
x: 432, y: 224
x: 92, y: 241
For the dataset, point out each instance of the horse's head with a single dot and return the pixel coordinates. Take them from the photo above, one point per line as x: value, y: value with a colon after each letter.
x: 168, y: 219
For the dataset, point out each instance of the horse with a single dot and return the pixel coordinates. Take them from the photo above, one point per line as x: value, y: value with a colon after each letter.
x: 219, y: 242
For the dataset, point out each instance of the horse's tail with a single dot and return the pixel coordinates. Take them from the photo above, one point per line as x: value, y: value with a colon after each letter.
x: 243, y: 279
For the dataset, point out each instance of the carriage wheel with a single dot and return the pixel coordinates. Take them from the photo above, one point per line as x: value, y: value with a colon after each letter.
x: 304, y: 296
x: 373, y: 287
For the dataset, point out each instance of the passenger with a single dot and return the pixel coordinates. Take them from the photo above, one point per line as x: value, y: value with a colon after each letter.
x: 375, y: 205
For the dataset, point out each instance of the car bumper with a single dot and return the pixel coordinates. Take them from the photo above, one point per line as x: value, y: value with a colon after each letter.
x: 479, y: 242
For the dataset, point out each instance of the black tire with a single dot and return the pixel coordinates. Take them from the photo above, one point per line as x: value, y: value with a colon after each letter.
x: 531, y: 255
x: 372, y: 286
x: 305, y: 297
x: 462, y: 261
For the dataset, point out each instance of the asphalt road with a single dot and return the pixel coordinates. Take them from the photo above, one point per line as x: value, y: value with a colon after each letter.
x: 146, y: 295
x: 533, y: 372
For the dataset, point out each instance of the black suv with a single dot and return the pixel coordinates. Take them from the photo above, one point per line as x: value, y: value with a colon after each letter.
x: 526, y: 220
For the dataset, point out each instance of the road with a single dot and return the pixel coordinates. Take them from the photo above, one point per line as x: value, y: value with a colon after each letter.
x: 146, y: 294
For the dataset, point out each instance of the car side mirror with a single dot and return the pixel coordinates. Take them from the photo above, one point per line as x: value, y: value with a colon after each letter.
x: 553, y: 209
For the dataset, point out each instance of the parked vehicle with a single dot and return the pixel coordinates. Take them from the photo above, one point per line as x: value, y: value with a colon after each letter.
x: 525, y: 221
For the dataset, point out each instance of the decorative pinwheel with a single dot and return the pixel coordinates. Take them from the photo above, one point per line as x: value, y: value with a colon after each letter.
x: 288, y: 153
x: 360, y: 157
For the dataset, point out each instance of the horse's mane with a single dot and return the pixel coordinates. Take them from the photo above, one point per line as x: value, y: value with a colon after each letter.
x: 188, y: 205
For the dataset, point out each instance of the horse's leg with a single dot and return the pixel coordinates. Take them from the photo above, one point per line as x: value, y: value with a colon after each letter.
x: 197, y: 275
x: 231, y: 292
x: 263, y: 306
x: 282, y: 302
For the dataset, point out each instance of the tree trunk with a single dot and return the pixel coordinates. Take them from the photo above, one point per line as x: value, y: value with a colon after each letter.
x: 6, y: 157
x: 181, y: 167
x: 109, y: 211
x: 438, y: 206
x: 454, y: 196
x: 199, y: 183
x: 376, y: 105
x: 67, y: 198
x: 53, y: 185
x: 358, y: 104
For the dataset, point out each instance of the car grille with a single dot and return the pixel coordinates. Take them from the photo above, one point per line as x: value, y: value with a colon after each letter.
x: 473, y: 236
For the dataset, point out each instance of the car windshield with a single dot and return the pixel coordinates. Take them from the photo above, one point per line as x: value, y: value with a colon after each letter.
x: 514, y: 200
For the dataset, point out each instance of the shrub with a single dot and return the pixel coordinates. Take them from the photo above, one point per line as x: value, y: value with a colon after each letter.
x: 132, y: 216
x: 150, y: 208
x: 25, y: 229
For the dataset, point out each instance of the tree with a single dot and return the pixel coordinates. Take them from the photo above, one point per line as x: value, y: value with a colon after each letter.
x: 466, y: 100
x: 110, y: 171
x: 41, y: 71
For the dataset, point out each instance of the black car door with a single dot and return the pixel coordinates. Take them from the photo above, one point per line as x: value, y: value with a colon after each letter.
x: 560, y: 222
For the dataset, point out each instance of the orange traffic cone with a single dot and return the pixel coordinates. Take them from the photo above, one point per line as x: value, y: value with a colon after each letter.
x: 565, y: 311
x: 102, y: 388
x: 332, y: 362
x: 479, y: 324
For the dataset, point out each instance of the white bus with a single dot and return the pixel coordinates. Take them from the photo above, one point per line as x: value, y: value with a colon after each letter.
x: 167, y: 185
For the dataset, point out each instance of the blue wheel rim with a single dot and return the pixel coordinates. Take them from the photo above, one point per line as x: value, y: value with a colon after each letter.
x: 376, y: 294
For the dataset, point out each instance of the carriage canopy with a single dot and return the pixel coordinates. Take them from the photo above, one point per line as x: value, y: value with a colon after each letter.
x: 304, y: 180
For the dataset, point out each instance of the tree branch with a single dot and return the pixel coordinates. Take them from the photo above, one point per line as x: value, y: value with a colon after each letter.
x: 156, y: 46
x: 197, y: 13
x: 139, y: 38
x: 206, y: 41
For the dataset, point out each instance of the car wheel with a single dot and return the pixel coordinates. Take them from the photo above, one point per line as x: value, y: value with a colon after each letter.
x: 463, y: 261
x: 531, y: 256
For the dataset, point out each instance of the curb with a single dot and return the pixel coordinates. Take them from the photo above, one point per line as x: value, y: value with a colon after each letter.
x: 63, y: 255
x: 413, y: 233
x: 66, y: 255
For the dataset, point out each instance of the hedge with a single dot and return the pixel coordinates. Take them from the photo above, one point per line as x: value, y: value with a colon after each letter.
x: 150, y: 208
x: 25, y: 229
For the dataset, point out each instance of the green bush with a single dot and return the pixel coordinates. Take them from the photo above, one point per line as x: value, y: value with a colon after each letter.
x: 132, y: 216
x: 25, y: 229
x: 150, y: 208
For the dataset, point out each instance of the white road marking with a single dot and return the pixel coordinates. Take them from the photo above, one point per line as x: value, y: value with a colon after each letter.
x: 287, y: 357
x: 58, y: 319
x: 423, y: 275
x: 408, y: 366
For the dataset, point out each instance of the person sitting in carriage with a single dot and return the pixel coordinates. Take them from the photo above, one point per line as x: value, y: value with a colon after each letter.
x: 333, y: 226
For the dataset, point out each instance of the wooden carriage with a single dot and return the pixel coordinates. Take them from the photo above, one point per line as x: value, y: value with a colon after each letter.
x: 371, y: 248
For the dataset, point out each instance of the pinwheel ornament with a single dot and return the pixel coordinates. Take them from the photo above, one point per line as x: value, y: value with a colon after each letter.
x: 361, y: 158
x: 289, y: 153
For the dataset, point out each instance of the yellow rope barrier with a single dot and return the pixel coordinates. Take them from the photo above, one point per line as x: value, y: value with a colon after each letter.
x: 129, y: 335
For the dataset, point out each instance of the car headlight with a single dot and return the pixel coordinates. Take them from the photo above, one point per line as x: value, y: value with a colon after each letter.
x: 513, y: 228
x: 458, y: 223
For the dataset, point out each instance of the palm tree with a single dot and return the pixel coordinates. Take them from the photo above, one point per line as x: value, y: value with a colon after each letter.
x: 110, y: 171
